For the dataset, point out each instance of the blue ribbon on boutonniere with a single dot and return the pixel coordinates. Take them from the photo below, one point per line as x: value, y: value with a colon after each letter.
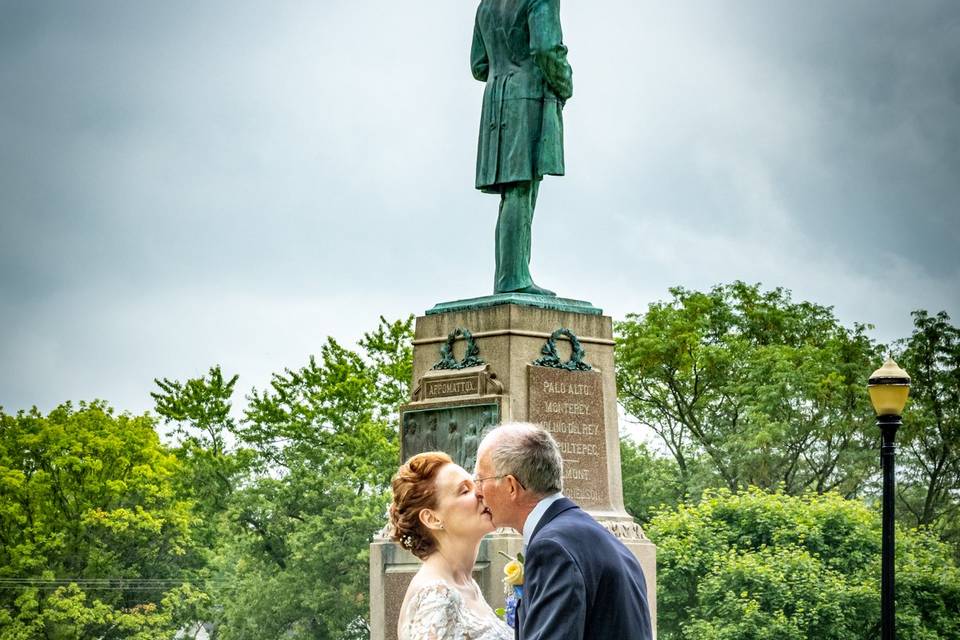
x: 513, y: 601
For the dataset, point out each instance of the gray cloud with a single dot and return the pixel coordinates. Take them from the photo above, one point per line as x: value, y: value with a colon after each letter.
x: 183, y: 183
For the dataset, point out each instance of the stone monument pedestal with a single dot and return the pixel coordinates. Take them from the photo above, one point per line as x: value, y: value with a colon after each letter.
x: 513, y: 358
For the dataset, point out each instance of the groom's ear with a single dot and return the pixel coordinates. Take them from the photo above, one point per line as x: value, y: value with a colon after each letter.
x: 513, y: 486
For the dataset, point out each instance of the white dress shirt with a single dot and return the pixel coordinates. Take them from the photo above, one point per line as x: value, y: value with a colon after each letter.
x: 534, y: 518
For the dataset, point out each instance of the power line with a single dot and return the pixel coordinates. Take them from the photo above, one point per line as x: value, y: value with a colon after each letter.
x: 109, y: 584
x: 102, y: 580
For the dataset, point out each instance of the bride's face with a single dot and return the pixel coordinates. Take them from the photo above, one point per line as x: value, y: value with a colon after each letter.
x: 458, y: 508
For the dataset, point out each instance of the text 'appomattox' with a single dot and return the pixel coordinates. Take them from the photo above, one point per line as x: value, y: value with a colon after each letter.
x: 460, y: 387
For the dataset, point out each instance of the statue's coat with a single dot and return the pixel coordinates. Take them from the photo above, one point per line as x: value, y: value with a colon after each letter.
x: 518, y: 51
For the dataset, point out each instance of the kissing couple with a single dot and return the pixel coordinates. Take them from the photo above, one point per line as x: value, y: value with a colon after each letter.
x: 579, y: 580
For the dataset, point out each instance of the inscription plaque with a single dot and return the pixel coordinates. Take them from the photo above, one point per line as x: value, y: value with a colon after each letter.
x: 452, y: 386
x: 569, y: 404
x: 462, y: 383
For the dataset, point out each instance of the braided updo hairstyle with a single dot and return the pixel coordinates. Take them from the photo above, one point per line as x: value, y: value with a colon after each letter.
x: 415, y: 489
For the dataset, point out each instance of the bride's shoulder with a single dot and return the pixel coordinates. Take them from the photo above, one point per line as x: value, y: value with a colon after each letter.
x: 422, y: 590
x: 433, y: 610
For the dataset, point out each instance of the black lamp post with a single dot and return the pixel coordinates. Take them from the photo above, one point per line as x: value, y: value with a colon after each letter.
x: 889, y: 387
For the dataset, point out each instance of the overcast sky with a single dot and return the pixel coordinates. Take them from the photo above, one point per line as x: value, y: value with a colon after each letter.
x: 186, y: 183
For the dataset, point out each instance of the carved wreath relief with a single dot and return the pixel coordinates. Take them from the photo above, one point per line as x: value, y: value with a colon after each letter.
x: 551, y: 358
x: 470, y: 359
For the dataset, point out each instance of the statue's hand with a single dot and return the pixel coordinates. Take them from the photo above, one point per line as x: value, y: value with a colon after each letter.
x: 556, y: 71
x: 563, y: 92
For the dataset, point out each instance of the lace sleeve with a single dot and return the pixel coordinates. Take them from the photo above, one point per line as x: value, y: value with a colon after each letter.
x: 435, y: 614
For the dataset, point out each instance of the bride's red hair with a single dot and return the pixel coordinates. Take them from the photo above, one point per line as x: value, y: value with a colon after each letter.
x: 415, y: 489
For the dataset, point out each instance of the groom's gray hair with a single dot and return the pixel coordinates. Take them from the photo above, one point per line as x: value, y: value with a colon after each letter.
x: 530, y: 454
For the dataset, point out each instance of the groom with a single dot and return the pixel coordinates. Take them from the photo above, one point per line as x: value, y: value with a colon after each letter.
x: 580, y: 581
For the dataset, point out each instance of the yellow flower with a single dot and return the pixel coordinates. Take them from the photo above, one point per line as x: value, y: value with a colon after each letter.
x: 513, y: 573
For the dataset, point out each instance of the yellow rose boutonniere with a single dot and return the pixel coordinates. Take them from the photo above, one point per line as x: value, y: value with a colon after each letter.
x: 513, y: 573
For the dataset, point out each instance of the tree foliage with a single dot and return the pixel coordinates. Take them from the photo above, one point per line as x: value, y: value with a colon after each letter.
x: 757, y: 565
x: 650, y: 480
x: 88, y: 501
x: 767, y: 391
x: 199, y: 411
x: 316, y: 450
x: 930, y: 460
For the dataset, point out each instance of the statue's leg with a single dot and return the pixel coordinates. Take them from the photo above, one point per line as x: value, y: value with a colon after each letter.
x: 534, y: 191
x: 498, y: 258
x: 513, y: 239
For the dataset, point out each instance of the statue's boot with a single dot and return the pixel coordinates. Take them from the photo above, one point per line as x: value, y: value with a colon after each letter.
x: 536, y: 291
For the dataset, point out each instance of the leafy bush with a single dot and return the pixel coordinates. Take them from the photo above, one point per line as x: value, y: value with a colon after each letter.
x: 94, y: 541
x: 768, y: 566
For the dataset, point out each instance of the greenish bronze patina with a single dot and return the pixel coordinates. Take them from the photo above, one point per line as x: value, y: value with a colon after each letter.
x: 470, y: 359
x: 551, y: 357
x: 524, y: 299
x: 518, y: 52
x: 456, y: 430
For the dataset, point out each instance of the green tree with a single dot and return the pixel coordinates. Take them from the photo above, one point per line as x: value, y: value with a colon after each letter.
x: 204, y: 429
x: 295, y: 554
x: 212, y: 466
x: 92, y: 532
x: 650, y: 480
x: 929, y: 489
x: 389, y: 349
x: 768, y: 391
x: 756, y: 565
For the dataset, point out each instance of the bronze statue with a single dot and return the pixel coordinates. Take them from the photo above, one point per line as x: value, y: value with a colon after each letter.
x: 518, y: 52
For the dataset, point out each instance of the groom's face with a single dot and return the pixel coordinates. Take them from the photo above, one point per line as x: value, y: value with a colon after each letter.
x: 491, y: 491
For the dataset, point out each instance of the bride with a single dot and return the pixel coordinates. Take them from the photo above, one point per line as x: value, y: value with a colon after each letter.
x: 436, y: 516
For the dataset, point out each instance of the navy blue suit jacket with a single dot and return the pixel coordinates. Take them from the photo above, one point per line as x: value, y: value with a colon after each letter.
x: 580, y: 582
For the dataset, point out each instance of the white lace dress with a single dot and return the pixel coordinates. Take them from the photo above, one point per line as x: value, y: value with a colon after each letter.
x: 437, y: 612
